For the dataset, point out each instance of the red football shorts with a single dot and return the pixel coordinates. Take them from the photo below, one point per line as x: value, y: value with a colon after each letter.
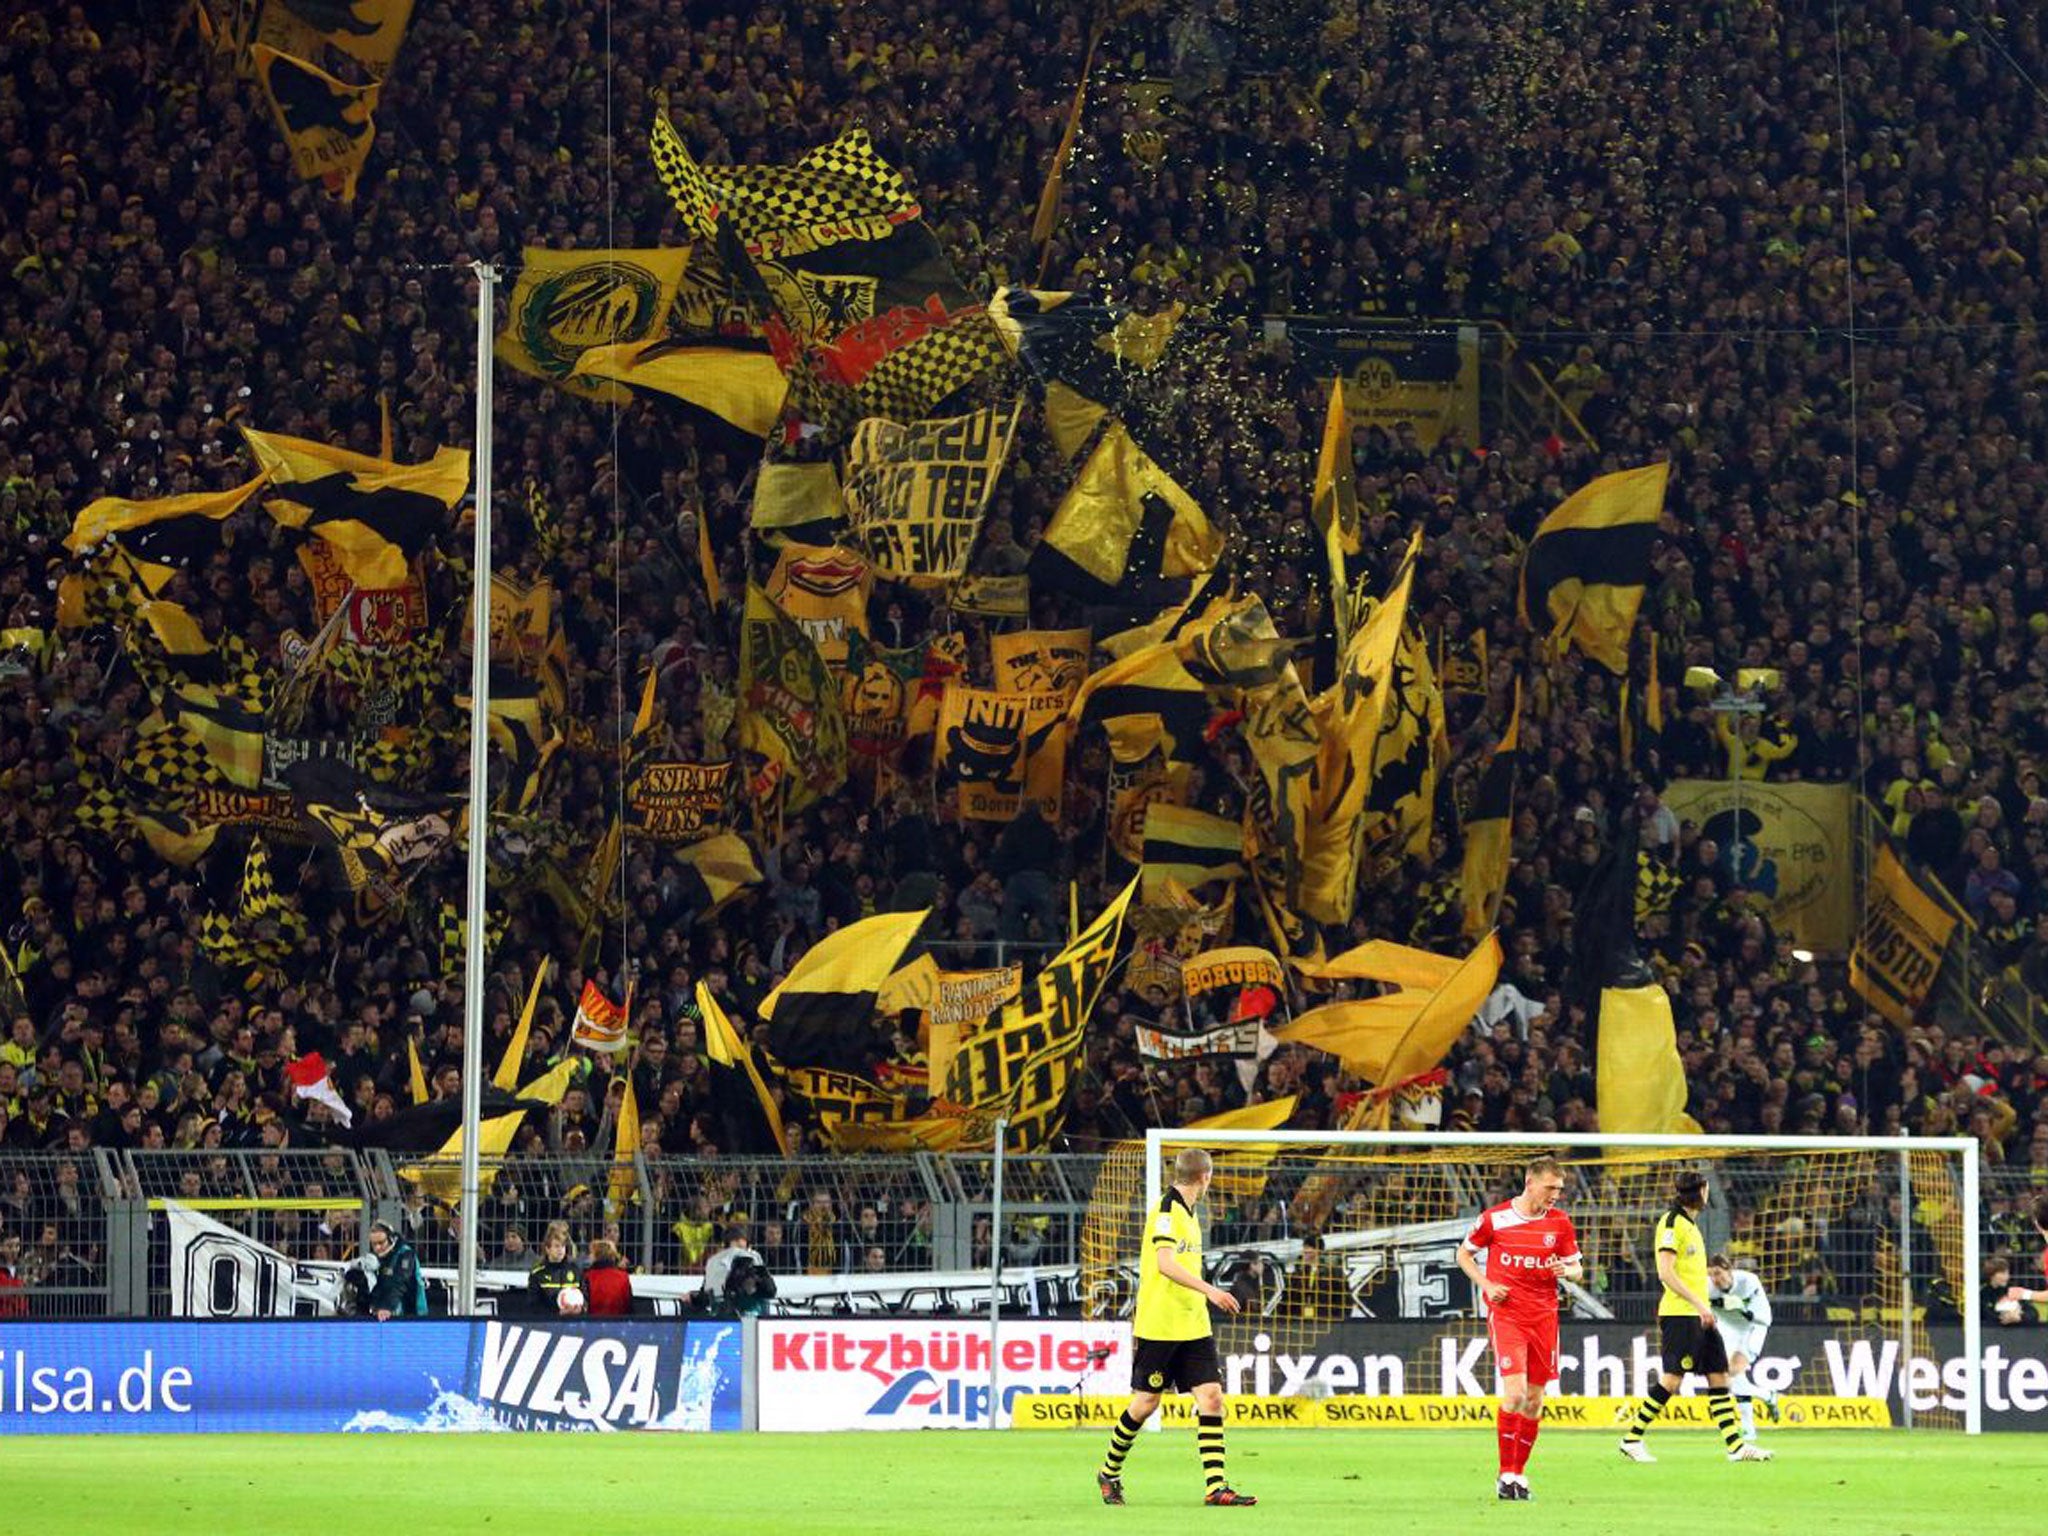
x: 1528, y: 1350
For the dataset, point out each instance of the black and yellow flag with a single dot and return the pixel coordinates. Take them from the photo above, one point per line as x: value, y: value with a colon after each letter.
x: 1019, y: 1062
x: 743, y: 386
x: 328, y: 126
x: 1040, y: 660
x: 566, y: 303
x: 167, y: 531
x: 1123, y: 525
x: 822, y: 1012
x: 869, y: 315
x: 1584, y: 574
x: 713, y: 872
x: 999, y: 750
x: 172, y: 657
x: 1639, y: 1075
x: 730, y: 1053
x: 368, y: 31
x: 1490, y: 827
x: 376, y: 515
x: 1192, y: 847
x: 1407, y: 761
x: 790, y: 709
x: 1351, y: 716
x: 1145, y: 699
x: 1095, y: 362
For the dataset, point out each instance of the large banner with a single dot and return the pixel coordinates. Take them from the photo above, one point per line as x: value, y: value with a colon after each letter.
x: 1424, y: 375
x: 918, y: 1374
x: 300, y: 1377
x: 679, y: 802
x: 916, y: 493
x: 1002, y: 749
x: 1789, y: 845
x: 1899, y: 947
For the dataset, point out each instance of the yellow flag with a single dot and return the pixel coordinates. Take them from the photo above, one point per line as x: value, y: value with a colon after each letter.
x: 744, y: 388
x: 1120, y: 492
x: 1639, y: 1083
x: 1899, y: 948
x: 1382, y: 960
x: 418, y: 1074
x: 624, y: 1184
x: 507, y: 1075
x: 1386, y: 1039
x: 1489, y: 828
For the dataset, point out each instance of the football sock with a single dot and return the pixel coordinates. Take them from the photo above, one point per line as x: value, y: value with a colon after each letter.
x: 1721, y: 1409
x: 1647, y: 1411
x: 1121, y: 1439
x: 1525, y: 1440
x: 1746, y: 1411
x: 1209, y: 1441
x: 1506, y: 1427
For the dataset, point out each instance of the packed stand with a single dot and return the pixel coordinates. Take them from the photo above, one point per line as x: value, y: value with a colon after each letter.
x: 1653, y: 204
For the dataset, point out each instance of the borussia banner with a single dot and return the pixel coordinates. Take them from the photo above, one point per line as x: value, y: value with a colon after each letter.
x: 1426, y: 377
x: 1900, y: 945
x: 916, y: 493
x: 567, y: 302
x: 1021, y: 1059
x: 1040, y: 660
x: 327, y: 125
x: 790, y: 711
x: 1789, y: 847
x: 1001, y: 749
x: 679, y: 802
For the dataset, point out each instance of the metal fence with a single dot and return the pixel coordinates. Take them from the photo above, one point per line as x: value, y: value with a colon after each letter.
x: 53, y: 1234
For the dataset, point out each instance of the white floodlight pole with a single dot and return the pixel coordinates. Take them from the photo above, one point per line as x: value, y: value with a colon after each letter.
x: 479, y: 795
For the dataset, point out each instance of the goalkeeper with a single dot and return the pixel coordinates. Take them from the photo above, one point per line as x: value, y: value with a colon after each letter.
x: 1744, y: 1312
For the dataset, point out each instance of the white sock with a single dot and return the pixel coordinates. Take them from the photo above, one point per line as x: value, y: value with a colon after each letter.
x: 1748, y: 1416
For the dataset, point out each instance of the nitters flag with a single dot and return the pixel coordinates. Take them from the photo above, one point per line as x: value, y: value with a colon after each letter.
x: 999, y: 750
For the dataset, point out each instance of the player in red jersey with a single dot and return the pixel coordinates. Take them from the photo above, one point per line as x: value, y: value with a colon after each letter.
x: 2040, y: 1215
x: 1529, y: 1246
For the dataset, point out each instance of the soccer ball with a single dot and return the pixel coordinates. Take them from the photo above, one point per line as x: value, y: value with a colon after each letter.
x: 569, y: 1301
x: 2007, y: 1309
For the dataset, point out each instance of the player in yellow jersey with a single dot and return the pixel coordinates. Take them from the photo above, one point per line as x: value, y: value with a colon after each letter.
x: 1689, y: 1339
x: 1175, y: 1348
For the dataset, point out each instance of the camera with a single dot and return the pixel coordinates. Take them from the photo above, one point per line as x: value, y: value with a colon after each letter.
x: 748, y: 1286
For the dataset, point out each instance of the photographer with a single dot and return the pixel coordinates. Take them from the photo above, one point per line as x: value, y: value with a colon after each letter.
x: 736, y: 1278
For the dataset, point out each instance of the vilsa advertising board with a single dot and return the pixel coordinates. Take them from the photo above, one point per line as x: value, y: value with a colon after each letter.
x: 195, y: 1377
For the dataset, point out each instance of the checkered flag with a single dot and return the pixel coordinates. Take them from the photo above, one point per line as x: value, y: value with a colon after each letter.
x: 1657, y: 885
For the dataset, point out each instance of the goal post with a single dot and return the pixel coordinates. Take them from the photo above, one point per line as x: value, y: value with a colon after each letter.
x: 1869, y: 1247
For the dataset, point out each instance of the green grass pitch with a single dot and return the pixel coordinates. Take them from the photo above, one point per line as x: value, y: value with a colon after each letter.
x: 967, y: 1483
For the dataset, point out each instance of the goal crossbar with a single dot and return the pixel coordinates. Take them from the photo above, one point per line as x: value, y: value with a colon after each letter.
x: 1964, y: 1148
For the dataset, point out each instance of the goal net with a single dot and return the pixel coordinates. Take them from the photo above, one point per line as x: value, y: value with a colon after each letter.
x: 1341, y: 1247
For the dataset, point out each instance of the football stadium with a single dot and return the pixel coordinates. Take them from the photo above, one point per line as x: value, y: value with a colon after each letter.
x: 1278, y: 755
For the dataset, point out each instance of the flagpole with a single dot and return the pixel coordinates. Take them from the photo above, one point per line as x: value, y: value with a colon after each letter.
x: 479, y: 796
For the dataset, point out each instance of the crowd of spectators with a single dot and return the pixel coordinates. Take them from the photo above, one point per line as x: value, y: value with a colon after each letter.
x: 1657, y: 199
